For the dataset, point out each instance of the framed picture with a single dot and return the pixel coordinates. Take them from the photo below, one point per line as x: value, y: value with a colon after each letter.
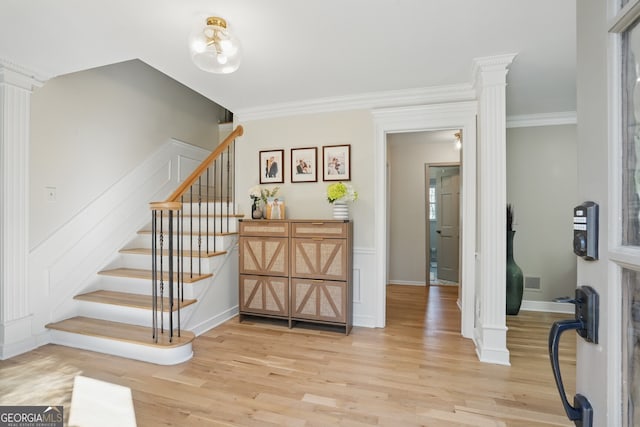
x: 304, y: 164
x: 336, y: 162
x: 271, y: 166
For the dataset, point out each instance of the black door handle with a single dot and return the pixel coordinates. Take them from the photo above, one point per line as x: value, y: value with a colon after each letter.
x: 581, y: 413
x: 439, y: 231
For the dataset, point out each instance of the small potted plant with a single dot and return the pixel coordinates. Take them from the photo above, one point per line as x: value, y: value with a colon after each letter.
x: 338, y: 194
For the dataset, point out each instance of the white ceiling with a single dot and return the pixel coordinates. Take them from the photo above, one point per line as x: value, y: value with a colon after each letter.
x: 301, y: 50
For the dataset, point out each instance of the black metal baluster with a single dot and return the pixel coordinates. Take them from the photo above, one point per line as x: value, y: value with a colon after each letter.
x: 191, y: 232
x: 208, y: 201
x: 154, y: 276
x: 161, y: 274
x: 171, y: 281
x: 233, y: 175
x: 179, y: 287
x: 215, y: 191
x: 199, y: 224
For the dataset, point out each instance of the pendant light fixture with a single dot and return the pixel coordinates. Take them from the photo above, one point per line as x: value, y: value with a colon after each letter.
x: 214, y: 48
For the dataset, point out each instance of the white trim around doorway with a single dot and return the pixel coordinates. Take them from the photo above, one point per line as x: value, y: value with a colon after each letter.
x: 456, y: 115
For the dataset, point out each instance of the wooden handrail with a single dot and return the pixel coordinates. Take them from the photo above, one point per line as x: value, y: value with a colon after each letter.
x: 187, y: 183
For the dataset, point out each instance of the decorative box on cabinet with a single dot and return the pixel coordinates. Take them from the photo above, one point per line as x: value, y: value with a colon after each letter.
x: 319, y: 276
x: 264, y: 268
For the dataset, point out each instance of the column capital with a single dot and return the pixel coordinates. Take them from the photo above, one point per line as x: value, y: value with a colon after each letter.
x: 19, y: 76
x: 491, y: 70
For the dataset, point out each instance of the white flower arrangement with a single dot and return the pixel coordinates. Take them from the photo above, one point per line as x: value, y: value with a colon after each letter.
x: 255, y: 193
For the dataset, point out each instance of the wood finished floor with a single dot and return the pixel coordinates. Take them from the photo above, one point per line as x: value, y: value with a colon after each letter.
x: 417, y: 371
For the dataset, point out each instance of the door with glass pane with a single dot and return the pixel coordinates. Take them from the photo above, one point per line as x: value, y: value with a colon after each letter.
x: 624, y: 284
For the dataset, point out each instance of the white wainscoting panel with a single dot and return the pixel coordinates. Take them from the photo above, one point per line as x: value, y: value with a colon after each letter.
x: 364, y: 292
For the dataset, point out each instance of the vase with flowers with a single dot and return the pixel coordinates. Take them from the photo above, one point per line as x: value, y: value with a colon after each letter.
x: 339, y: 194
x: 255, y: 193
x: 259, y: 197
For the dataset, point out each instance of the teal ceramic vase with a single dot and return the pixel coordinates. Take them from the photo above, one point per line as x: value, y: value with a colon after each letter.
x: 515, y: 279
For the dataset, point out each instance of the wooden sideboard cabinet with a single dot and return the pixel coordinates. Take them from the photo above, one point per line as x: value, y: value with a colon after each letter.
x: 318, y: 264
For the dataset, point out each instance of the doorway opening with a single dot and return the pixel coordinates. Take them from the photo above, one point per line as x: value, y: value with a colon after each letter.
x: 442, y: 183
x: 410, y: 208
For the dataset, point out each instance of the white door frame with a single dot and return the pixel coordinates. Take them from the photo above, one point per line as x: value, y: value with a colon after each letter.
x: 457, y: 115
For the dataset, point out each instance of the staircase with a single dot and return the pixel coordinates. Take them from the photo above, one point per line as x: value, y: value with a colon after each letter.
x: 172, y: 281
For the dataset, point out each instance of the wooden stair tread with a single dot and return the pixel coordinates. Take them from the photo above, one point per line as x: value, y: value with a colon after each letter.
x: 120, y: 332
x: 136, y: 273
x: 186, y: 254
x: 129, y: 300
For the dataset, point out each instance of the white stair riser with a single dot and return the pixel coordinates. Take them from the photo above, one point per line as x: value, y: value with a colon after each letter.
x: 143, y: 287
x: 130, y: 315
x: 219, y: 207
x: 141, y: 261
x: 195, y: 224
x: 143, y: 240
x: 157, y: 355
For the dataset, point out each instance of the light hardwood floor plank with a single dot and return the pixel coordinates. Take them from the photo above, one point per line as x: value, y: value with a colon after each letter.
x: 418, y: 371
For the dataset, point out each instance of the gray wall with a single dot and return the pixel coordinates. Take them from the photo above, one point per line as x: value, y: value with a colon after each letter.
x: 407, y: 155
x: 88, y: 129
x: 542, y: 188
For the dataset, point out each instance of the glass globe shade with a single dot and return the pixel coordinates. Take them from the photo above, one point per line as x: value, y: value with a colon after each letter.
x: 214, y: 49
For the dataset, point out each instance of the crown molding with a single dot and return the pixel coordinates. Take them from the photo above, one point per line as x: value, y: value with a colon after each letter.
x: 396, y: 98
x: 18, y: 75
x: 545, y: 119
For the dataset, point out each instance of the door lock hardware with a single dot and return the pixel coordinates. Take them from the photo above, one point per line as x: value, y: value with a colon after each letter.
x: 585, y: 324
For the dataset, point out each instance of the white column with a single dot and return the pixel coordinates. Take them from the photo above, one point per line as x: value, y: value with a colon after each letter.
x: 16, y: 86
x: 491, y: 331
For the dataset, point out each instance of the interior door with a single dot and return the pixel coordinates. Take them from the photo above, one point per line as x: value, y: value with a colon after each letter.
x: 448, y: 222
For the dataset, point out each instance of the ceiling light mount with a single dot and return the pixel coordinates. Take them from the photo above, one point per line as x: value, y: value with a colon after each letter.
x: 214, y: 48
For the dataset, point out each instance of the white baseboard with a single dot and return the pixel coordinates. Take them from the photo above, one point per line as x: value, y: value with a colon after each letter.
x: 214, y: 321
x: 548, y: 306
x: 405, y: 283
x: 364, y: 321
